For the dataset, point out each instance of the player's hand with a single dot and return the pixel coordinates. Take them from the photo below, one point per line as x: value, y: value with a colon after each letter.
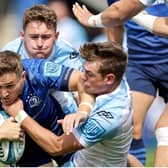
x: 11, y: 130
x: 71, y: 121
x: 81, y: 13
x: 14, y: 108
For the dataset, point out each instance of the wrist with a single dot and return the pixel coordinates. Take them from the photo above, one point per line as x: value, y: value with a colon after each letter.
x: 145, y: 20
x: 86, y: 104
x: 21, y: 115
x: 84, y: 112
x: 95, y: 21
x: 85, y: 108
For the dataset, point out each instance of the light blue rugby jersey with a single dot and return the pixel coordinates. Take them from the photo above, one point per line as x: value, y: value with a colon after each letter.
x: 107, y: 133
x: 62, y: 53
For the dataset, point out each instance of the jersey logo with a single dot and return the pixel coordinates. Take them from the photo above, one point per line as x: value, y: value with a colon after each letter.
x: 73, y: 55
x: 33, y: 100
x: 51, y: 69
x: 105, y: 114
x: 92, y: 129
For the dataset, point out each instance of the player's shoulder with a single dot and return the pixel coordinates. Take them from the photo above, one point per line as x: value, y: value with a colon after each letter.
x: 13, y: 45
x: 64, y: 45
x: 41, y: 66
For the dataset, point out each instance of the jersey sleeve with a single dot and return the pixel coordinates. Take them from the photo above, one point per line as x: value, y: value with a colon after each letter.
x: 49, y: 74
x: 100, y: 126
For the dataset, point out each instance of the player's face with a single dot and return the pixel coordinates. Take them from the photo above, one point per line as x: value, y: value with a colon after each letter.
x: 38, y: 39
x: 93, y: 82
x: 11, y: 87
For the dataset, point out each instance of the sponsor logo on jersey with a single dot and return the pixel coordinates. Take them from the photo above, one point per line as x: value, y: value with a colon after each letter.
x: 105, y: 114
x: 73, y: 55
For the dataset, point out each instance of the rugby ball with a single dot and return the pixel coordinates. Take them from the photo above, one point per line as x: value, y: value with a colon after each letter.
x: 10, y: 151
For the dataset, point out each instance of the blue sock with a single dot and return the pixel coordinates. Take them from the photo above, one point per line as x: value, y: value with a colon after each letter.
x: 138, y: 150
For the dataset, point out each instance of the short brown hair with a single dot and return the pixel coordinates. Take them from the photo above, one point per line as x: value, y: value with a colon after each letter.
x: 10, y: 62
x: 40, y: 13
x: 112, y: 56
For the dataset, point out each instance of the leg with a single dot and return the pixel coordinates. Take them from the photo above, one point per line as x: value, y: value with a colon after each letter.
x: 133, y: 161
x: 141, y: 104
x: 161, y: 159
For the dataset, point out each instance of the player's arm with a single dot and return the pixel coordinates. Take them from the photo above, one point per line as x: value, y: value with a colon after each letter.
x: 132, y: 161
x: 115, y: 14
x: 86, y: 102
x: 154, y: 24
x: 54, y: 145
x: 115, y: 34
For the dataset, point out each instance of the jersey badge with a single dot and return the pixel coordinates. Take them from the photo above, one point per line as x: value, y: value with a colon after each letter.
x: 52, y: 69
x: 92, y: 129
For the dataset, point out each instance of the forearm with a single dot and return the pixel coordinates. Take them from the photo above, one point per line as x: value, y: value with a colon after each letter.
x: 118, y: 12
x: 160, y: 26
x: 115, y: 34
x: 43, y: 137
x: 86, y: 101
x: 52, y: 144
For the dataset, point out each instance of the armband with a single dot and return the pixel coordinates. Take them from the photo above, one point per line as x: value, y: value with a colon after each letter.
x: 145, y: 20
x: 21, y: 116
x: 95, y: 21
x: 147, y: 2
x: 87, y: 104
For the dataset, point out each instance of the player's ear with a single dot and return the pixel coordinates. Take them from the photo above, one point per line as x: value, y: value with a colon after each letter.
x: 110, y: 78
x: 56, y: 35
x: 23, y: 75
x: 22, y: 34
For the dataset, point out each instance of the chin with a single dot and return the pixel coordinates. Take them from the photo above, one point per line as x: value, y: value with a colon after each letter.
x: 7, y: 102
x: 40, y: 56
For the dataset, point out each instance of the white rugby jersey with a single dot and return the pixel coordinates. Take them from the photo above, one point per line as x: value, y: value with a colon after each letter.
x: 107, y: 133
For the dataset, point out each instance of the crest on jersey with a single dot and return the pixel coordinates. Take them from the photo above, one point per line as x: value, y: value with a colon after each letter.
x: 92, y: 129
x: 33, y: 100
x: 52, y: 69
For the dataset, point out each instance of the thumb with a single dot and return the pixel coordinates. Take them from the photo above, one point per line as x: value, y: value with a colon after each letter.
x: 11, y: 119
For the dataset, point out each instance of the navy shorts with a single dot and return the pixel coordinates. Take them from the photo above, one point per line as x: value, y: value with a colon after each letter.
x: 148, y: 79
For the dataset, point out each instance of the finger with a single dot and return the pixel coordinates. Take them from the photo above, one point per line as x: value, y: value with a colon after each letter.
x: 60, y: 121
x: 78, y: 11
x: 68, y: 124
x: 76, y: 123
x: 85, y: 9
